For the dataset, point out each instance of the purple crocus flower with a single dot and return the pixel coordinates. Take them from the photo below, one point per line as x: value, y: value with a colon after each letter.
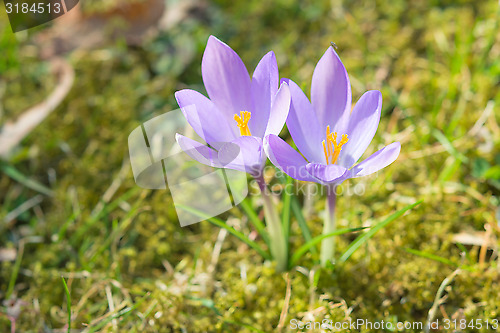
x: 240, y: 112
x: 327, y: 133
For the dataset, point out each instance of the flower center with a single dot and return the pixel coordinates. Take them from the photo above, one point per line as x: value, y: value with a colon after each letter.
x: 330, y: 146
x: 242, y: 122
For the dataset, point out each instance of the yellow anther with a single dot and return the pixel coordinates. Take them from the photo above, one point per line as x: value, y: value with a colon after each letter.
x: 330, y: 146
x: 242, y: 122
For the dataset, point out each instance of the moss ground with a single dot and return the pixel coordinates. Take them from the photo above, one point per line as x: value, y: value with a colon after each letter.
x: 130, y: 266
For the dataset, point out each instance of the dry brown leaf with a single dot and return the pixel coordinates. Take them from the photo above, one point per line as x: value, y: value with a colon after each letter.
x: 8, y: 254
x: 133, y: 22
x: 12, y: 133
x: 473, y: 239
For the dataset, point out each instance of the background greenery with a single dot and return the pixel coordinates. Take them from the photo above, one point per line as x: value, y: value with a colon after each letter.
x: 128, y: 264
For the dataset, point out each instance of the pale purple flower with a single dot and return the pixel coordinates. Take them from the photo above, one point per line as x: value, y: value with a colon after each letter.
x: 327, y: 133
x: 239, y: 112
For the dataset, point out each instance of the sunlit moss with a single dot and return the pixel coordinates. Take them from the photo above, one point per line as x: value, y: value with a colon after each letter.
x: 437, y: 67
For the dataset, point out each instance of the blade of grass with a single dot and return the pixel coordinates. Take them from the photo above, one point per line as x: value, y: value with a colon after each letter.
x: 466, y: 253
x: 117, y: 229
x: 120, y: 314
x: 247, y: 326
x: 432, y: 257
x: 62, y: 231
x: 209, y: 304
x: 254, y: 219
x: 82, y: 231
x: 304, y: 248
x: 17, y: 265
x: 438, y: 299
x: 68, y: 303
x: 218, y: 222
x: 297, y: 212
x: 443, y: 140
x: 462, y: 248
x: 16, y: 175
x: 360, y: 240
x: 15, y: 270
x: 449, y: 170
x: 437, y: 258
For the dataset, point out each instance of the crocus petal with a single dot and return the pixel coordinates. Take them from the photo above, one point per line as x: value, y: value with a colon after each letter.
x: 243, y: 154
x: 226, y: 78
x: 363, y: 124
x: 331, y: 92
x: 287, y: 159
x: 326, y: 173
x: 198, y: 151
x: 279, y: 110
x: 205, y: 118
x: 376, y: 161
x: 264, y: 86
x: 304, y: 126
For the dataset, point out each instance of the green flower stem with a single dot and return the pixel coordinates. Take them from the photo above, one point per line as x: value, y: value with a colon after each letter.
x: 329, y: 226
x: 278, y: 243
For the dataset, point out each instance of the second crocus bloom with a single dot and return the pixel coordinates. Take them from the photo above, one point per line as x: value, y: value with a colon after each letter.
x: 327, y: 133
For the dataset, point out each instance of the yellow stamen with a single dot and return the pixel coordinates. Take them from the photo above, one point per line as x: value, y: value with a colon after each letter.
x: 326, y: 152
x: 327, y: 136
x: 242, y: 122
x: 330, y: 146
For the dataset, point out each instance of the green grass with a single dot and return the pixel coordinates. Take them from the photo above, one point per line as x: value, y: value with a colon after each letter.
x: 68, y: 303
x: 131, y: 267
